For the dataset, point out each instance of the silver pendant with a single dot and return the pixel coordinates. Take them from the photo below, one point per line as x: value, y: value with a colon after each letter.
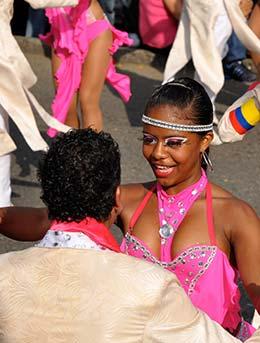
x: 166, y: 231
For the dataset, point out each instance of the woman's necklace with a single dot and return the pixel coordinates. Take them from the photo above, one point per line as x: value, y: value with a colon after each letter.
x: 173, y: 208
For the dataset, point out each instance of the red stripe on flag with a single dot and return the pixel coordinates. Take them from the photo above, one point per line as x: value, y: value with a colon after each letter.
x: 235, y: 123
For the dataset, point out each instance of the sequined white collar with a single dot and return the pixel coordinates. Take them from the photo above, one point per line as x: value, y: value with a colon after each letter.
x: 62, y: 239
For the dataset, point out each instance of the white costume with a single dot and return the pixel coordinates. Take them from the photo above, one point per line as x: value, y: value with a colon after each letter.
x: 68, y: 290
x: 16, y: 79
x: 204, y: 29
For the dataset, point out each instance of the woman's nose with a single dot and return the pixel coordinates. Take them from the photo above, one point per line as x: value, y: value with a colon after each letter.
x: 159, y: 151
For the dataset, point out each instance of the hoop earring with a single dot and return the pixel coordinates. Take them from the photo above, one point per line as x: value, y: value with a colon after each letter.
x: 207, y: 160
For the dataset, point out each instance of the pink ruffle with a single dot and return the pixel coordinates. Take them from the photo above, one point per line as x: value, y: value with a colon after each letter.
x: 70, y: 36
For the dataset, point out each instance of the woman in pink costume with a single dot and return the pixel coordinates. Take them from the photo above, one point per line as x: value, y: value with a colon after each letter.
x: 83, y: 42
x: 158, y: 21
x: 183, y: 222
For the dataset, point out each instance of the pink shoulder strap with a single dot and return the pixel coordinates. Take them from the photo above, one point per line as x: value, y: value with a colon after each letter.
x: 210, y: 222
x: 140, y: 208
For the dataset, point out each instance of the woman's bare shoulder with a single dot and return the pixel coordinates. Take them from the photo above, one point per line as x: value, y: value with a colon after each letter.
x: 131, y: 196
x: 219, y: 192
x: 134, y: 192
x: 232, y: 206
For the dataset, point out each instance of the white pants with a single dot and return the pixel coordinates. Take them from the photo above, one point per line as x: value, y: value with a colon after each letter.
x: 222, y: 32
x: 5, y: 167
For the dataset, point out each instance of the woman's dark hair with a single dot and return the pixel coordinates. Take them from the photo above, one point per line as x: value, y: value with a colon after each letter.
x: 189, y: 97
x: 185, y: 94
x: 79, y: 175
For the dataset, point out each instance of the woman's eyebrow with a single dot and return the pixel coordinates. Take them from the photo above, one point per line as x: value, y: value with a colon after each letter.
x: 177, y: 135
x: 150, y: 134
x: 174, y: 136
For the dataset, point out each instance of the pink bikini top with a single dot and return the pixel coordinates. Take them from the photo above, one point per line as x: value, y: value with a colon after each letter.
x: 204, y: 272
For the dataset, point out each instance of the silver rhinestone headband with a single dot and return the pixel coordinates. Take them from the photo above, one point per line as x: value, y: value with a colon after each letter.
x: 176, y: 83
x: 177, y: 127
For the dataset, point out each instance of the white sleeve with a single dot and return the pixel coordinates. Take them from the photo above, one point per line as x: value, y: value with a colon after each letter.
x: 226, y: 131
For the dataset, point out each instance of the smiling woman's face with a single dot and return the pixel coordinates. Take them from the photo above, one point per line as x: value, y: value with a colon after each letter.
x: 175, y: 156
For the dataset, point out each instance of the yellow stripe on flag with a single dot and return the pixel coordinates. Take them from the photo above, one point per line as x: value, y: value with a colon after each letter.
x: 250, y: 112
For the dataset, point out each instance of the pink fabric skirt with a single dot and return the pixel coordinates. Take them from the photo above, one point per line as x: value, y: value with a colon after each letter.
x: 72, y: 30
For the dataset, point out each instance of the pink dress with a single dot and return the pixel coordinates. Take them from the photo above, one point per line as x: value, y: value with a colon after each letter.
x: 204, y: 272
x: 157, y: 26
x: 72, y: 30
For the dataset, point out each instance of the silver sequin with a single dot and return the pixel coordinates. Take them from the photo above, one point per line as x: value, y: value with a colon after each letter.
x: 166, y: 231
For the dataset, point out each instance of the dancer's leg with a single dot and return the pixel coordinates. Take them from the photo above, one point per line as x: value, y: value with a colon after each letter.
x: 93, y: 78
x: 5, y: 165
x: 72, y: 115
x: 94, y: 74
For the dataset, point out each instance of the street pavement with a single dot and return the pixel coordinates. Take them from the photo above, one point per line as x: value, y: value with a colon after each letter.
x: 236, y: 166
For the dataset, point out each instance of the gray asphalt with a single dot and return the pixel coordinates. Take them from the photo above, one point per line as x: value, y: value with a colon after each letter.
x: 236, y: 166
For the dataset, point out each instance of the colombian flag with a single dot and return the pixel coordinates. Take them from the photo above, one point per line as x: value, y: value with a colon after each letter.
x: 245, y: 117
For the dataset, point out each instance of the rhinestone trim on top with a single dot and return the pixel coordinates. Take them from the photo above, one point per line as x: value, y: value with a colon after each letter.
x: 181, y: 259
x: 204, y: 266
x: 243, y: 333
x: 146, y: 253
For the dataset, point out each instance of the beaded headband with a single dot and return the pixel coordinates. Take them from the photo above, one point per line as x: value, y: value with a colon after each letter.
x: 177, y: 127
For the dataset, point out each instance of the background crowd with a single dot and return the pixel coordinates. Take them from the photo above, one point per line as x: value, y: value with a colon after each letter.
x: 153, y: 25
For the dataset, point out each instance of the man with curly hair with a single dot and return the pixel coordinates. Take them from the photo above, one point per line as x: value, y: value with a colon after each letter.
x: 75, y: 286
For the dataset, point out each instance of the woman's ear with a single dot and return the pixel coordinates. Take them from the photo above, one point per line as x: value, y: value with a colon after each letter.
x: 117, y: 209
x: 206, y: 140
x: 118, y: 206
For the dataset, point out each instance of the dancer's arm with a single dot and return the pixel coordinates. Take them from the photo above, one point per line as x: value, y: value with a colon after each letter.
x: 24, y: 223
x: 253, y: 23
x: 246, y: 7
x: 2, y: 214
x: 174, y: 7
x: 245, y: 239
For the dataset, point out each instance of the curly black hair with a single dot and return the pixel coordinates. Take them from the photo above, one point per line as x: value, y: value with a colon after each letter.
x: 79, y: 175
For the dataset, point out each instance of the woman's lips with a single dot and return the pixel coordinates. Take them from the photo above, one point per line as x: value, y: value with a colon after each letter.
x: 162, y: 171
